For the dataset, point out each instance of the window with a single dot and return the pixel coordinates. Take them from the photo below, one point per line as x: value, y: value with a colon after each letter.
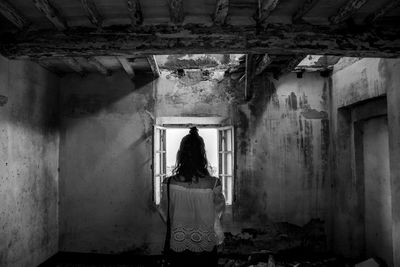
x: 219, y: 144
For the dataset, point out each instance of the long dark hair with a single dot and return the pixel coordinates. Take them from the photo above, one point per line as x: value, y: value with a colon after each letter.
x: 191, y: 159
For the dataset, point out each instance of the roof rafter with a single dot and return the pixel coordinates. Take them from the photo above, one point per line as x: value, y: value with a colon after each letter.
x: 74, y: 65
x: 92, y: 13
x: 126, y: 65
x: 382, y: 11
x: 303, y: 10
x: 51, y: 13
x: 154, y: 66
x: 176, y: 10
x: 347, y: 10
x: 265, y: 8
x: 135, y: 12
x: 13, y: 15
x: 276, y: 39
x: 99, y: 66
x: 221, y: 11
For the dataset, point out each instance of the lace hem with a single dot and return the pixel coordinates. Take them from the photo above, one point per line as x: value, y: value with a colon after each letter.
x: 195, y: 239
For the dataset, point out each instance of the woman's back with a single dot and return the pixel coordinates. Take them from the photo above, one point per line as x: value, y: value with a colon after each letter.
x: 194, y: 213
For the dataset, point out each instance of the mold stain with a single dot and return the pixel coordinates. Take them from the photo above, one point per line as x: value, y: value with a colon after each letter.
x: 291, y: 101
x: 3, y: 100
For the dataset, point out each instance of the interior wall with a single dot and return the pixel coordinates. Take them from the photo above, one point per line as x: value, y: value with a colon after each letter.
x: 106, y: 153
x: 356, y: 82
x: 29, y: 141
x: 283, y: 151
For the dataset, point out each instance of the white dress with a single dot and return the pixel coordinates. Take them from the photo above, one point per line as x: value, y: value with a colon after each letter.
x: 195, y: 215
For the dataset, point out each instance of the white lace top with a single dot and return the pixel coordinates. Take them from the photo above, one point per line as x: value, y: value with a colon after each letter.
x: 195, y: 217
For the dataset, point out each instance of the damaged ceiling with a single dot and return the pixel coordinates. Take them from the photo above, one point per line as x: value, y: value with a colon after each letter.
x: 105, y: 35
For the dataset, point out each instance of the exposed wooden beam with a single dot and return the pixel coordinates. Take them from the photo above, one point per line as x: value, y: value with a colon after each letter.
x: 126, y: 65
x: 382, y: 11
x: 303, y: 10
x: 221, y: 11
x: 265, y: 8
x: 13, y: 15
x: 276, y: 39
x: 176, y: 10
x: 347, y: 10
x: 263, y: 64
x: 92, y: 13
x: 51, y: 13
x: 74, y: 65
x: 290, y: 65
x: 154, y: 66
x: 135, y: 12
x: 99, y: 67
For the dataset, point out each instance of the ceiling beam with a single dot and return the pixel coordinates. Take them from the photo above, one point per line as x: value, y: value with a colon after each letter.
x: 74, y: 65
x: 135, y: 12
x: 154, y: 66
x: 291, y: 64
x: 92, y: 13
x: 263, y: 64
x: 347, y: 10
x: 276, y: 39
x: 99, y: 66
x: 265, y: 8
x: 303, y: 10
x: 126, y: 65
x: 389, y: 6
x: 221, y: 11
x: 13, y: 15
x: 176, y: 10
x: 51, y: 13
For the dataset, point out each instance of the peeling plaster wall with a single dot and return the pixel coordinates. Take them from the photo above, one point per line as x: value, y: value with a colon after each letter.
x: 106, y: 153
x: 29, y: 141
x: 282, y: 151
x: 359, y: 82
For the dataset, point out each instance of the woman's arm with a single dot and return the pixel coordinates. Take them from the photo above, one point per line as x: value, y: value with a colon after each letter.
x: 219, y: 199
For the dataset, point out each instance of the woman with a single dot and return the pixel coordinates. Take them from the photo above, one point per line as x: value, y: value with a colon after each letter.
x: 196, y: 204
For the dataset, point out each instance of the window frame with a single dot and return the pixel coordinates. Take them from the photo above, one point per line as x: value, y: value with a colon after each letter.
x: 161, y: 153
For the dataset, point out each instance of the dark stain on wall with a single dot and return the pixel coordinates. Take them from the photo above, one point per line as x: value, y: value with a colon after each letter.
x: 3, y: 100
x: 291, y: 101
x: 262, y: 96
x: 243, y: 127
x: 314, y: 114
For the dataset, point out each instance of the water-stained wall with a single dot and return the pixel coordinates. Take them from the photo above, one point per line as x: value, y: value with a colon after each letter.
x: 106, y: 152
x: 29, y: 141
x: 282, y: 150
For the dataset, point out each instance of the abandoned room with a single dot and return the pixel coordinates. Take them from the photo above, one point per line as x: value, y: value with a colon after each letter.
x: 298, y: 103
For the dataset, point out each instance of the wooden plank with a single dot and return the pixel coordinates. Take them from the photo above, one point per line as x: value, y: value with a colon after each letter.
x: 176, y: 10
x: 303, y: 10
x: 276, y: 39
x: 347, y: 10
x: 154, y: 66
x: 221, y: 11
x: 382, y: 11
x: 51, y: 13
x: 126, y: 65
x: 92, y: 13
x: 13, y: 15
x: 99, y: 67
x: 135, y: 12
x: 290, y: 65
x: 263, y: 64
x: 74, y: 65
x: 265, y: 9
